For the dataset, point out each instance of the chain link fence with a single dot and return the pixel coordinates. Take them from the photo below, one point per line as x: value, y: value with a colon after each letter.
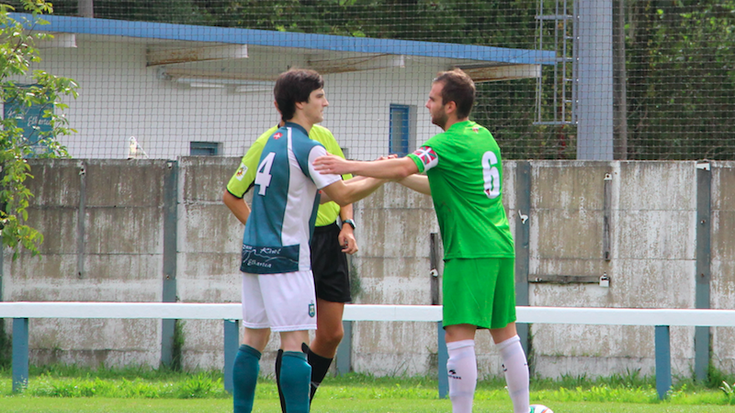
x: 627, y: 79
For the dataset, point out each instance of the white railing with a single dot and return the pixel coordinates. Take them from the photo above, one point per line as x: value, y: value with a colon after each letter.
x: 662, y: 319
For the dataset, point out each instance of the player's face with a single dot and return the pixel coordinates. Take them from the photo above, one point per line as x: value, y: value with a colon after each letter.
x: 436, y: 107
x: 314, y: 108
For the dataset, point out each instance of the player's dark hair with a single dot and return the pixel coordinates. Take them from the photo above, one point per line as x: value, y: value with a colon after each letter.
x: 458, y: 88
x: 294, y: 86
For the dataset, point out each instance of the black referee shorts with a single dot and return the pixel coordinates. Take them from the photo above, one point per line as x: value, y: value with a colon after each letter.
x: 329, y: 265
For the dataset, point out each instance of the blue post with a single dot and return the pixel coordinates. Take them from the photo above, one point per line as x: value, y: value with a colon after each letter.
x: 232, y: 340
x: 443, y: 356
x: 344, y: 351
x: 663, y: 361
x: 20, y: 354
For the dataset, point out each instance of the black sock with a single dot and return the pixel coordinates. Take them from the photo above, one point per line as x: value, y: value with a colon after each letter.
x: 279, y: 360
x: 319, y: 368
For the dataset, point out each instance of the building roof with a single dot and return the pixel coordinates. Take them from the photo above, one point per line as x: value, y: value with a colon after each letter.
x: 187, y: 48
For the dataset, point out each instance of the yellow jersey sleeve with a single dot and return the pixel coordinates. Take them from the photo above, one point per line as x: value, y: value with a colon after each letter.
x: 244, y: 177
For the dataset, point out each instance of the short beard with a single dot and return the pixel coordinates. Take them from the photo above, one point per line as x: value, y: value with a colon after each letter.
x: 441, y: 121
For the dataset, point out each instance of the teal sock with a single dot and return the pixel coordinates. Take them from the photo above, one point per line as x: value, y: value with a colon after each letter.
x: 295, y: 379
x: 244, y: 378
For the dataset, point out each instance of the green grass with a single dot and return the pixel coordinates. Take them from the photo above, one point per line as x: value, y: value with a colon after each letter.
x: 73, y: 389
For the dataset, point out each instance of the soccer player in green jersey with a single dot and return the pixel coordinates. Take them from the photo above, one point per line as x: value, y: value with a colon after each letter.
x: 463, y: 175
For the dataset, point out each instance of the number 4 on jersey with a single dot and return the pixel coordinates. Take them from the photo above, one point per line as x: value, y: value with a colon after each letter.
x: 263, y: 174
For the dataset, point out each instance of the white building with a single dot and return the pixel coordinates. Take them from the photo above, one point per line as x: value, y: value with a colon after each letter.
x: 184, y: 89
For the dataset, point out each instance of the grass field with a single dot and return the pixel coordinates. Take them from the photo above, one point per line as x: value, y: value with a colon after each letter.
x: 62, y: 389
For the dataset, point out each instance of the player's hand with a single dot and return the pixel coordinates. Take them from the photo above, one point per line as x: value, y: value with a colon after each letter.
x: 391, y: 156
x: 331, y: 164
x: 347, y: 240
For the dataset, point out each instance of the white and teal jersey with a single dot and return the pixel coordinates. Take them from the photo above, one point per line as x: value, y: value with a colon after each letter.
x: 285, y: 202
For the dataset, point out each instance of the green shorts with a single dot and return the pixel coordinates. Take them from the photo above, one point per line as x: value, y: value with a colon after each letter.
x: 479, y: 291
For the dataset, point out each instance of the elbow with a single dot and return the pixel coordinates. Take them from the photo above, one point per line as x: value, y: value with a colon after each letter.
x: 342, y: 200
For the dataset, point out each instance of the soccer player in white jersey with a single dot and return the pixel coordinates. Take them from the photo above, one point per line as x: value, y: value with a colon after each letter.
x: 277, y: 284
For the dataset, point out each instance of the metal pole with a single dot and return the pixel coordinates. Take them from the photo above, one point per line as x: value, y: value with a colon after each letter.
x: 20, y: 354
x: 86, y: 8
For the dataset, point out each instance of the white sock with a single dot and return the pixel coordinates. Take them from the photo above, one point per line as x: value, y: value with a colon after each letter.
x: 515, y: 366
x: 462, y: 369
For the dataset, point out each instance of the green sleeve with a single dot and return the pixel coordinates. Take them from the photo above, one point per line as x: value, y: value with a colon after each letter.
x: 417, y: 161
x: 245, y: 174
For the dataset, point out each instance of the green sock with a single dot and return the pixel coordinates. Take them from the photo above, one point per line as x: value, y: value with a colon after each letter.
x: 295, y: 379
x: 245, y: 377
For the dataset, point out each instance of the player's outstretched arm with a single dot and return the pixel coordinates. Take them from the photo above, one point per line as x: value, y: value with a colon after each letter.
x: 350, y: 191
x: 237, y: 206
x: 417, y: 182
x: 393, y: 169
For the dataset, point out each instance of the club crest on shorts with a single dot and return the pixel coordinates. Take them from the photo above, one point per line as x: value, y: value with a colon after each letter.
x: 312, y: 310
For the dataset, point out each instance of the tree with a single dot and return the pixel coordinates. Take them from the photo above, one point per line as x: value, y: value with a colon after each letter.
x: 31, y: 125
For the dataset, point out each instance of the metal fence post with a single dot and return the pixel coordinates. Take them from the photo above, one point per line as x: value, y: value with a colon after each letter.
x: 170, y: 249
x: 20, y: 354
x: 663, y: 361
x: 443, y: 357
x: 232, y: 340
x: 344, y: 351
x: 703, y: 275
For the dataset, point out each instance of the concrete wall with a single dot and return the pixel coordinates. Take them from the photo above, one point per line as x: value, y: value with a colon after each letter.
x: 115, y: 253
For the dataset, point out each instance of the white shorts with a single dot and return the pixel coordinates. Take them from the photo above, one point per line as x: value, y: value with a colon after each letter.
x: 281, y: 302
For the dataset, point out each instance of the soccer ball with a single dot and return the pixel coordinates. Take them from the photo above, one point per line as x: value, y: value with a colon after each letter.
x: 537, y: 408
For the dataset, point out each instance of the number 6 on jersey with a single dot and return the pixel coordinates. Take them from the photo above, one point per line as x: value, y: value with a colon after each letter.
x: 491, y: 174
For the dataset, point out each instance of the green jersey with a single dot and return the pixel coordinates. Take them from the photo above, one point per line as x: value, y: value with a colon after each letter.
x: 244, y: 177
x: 465, y: 176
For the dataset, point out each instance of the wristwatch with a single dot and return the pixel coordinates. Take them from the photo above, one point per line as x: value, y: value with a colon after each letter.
x: 350, y: 223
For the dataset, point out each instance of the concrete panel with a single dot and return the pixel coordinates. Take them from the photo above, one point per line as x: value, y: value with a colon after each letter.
x: 55, y: 182
x: 658, y: 186
x: 74, y: 289
x: 722, y: 349
x: 401, y: 348
x: 653, y: 284
x: 59, y: 227
x: 509, y: 185
x: 556, y: 366
x: 723, y: 186
x: 96, y: 342
x: 568, y: 185
x: 29, y: 270
x: 395, y: 232
x: 203, y: 347
x: 593, y: 341
x: 208, y: 266
x: 95, y: 334
x: 125, y: 183
x: 567, y: 234
x: 394, y: 281
x: 124, y: 267
x: 722, y: 286
x: 204, y: 178
x: 649, y: 234
x: 96, y: 358
x: 130, y: 230
x: 572, y: 295
x: 723, y: 236
x: 209, y: 227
